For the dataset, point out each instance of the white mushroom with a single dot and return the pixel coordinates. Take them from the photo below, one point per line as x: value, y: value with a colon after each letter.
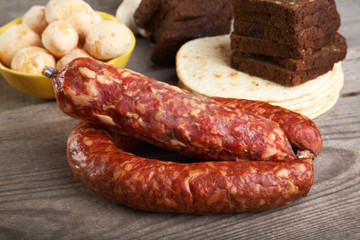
x: 125, y: 13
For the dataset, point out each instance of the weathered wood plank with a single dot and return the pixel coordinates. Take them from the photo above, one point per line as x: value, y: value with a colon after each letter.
x: 40, y: 199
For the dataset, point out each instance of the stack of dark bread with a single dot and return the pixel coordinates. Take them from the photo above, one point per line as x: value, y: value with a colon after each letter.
x: 171, y: 23
x: 286, y: 41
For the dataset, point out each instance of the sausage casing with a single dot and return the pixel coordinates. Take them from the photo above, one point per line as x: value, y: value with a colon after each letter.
x: 167, y: 116
x: 301, y: 131
x: 165, y: 186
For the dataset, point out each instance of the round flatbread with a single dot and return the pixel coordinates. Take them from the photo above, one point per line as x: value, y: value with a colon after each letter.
x: 203, y: 67
x: 316, y: 98
x: 317, y: 111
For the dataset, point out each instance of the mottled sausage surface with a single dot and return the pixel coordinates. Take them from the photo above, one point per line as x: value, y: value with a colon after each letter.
x: 141, y: 107
x: 166, y: 186
x: 301, y: 131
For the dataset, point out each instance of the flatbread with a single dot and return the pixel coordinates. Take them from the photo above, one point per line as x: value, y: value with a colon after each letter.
x: 334, y: 84
x: 315, y: 112
x: 316, y: 98
x: 203, y: 67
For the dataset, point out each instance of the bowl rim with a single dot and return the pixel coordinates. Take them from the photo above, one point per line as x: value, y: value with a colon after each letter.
x: 102, y: 14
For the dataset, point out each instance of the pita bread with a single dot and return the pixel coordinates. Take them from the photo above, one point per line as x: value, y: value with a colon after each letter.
x: 316, y: 98
x: 315, y: 112
x: 203, y: 67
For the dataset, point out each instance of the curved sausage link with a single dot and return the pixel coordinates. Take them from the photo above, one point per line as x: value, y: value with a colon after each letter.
x: 164, y: 186
x: 135, y: 105
x: 301, y: 131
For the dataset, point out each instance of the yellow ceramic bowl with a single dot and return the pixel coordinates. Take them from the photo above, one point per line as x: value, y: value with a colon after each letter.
x: 40, y: 86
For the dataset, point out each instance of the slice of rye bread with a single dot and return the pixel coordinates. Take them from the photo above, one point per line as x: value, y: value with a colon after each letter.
x: 173, y: 20
x: 299, y: 38
x: 186, y: 9
x: 330, y: 54
x: 273, y: 72
x: 182, y: 31
x: 262, y: 46
x: 146, y: 11
x: 288, y: 9
x: 292, y: 25
x: 151, y: 13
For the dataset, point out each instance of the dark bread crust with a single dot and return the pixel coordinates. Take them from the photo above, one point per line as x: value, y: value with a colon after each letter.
x: 288, y: 9
x: 291, y: 24
x: 328, y: 55
x: 151, y: 13
x: 263, y: 46
x: 299, y: 38
x: 145, y: 12
x: 171, y: 19
x: 171, y: 23
x: 180, y: 32
x: 273, y: 72
x: 286, y: 41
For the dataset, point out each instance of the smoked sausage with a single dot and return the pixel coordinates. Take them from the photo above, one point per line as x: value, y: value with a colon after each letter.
x: 135, y: 105
x: 166, y: 186
x: 301, y: 131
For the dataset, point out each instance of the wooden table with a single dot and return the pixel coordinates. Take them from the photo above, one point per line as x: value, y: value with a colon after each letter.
x: 40, y: 199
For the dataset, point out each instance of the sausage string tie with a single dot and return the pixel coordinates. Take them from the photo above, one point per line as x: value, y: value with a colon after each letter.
x: 49, y: 72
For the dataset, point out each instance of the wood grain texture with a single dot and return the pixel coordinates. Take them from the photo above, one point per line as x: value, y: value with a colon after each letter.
x: 40, y: 199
